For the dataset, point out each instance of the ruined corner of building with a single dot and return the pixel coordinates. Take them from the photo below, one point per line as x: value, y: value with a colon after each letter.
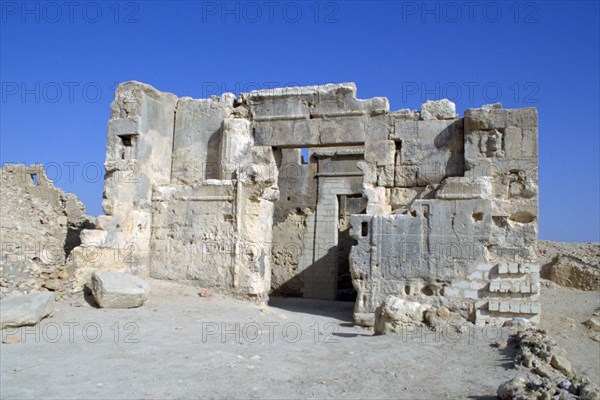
x: 40, y: 225
x: 311, y: 192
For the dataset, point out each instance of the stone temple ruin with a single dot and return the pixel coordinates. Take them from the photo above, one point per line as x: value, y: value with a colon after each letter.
x: 427, y: 206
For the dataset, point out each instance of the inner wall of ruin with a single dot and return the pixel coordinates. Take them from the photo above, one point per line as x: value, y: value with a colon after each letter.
x: 424, y: 205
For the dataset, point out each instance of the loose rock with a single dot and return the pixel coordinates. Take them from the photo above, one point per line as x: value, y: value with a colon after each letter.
x: 118, y: 290
x: 562, y: 364
x: 593, y: 324
x: 396, y: 313
x: 25, y: 310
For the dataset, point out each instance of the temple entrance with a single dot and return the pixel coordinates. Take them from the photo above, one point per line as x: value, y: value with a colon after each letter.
x: 348, y: 205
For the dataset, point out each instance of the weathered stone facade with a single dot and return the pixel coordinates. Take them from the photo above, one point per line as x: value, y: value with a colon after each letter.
x: 425, y: 205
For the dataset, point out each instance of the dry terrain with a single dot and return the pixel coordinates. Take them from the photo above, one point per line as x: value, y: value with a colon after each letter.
x: 180, y: 345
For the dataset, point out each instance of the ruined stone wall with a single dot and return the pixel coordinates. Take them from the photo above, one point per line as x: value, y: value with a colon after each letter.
x: 39, y: 226
x: 187, y: 195
x: 439, y: 208
x: 457, y: 224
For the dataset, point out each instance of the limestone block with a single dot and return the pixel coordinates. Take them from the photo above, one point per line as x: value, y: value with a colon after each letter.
x: 405, y: 114
x: 385, y: 175
x: 530, y: 143
x: 498, y: 118
x: 313, y: 115
x: 118, y: 290
x: 454, y: 188
x: 352, y: 129
x: 92, y: 237
x: 402, y: 256
x: 406, y: 175
x: 404, y: 129
x: 328, y: 100
x: 401, y: 197
x: 124, y: 126
x: 440, y: 109
x: 395, y: 314
x: 485, y: 118
x: 369, y: 172
x: 197, y: 138
x: 513, y: 142
x: 236, y: 146
x: 437, y: 149
x: 380, y: 152
x: 26, y: 309
x: 523, y: 117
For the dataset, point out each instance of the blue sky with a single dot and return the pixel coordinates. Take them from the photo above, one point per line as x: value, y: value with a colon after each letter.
x: 60, y: 62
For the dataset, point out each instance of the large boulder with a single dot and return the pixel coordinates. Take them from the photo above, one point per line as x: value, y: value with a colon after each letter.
x: 118, y: 290
x: 395, y: 314
x: 26, y: 309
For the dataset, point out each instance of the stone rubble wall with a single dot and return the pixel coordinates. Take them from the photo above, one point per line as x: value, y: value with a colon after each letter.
x: 39, y: 227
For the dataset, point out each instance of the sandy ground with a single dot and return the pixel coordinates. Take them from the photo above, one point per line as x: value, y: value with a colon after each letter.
x: 179, y: 345
x: 563, y: 311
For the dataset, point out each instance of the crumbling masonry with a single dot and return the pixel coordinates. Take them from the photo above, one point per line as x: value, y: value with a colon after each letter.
x: 423, y: 205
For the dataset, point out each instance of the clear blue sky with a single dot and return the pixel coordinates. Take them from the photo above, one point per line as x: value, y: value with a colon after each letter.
x: 60, y: 62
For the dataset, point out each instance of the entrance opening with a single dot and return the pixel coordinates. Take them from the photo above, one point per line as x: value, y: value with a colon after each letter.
x: 320, y: 188
x: 348, y: 205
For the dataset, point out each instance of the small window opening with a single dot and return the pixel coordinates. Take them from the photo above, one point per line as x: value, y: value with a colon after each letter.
x: 364, y: 229
x: 407, y: 289
x: 34, y: 179
x: 304, y: 152
x: 127, y: 147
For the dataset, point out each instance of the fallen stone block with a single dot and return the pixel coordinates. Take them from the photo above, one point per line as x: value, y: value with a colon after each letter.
x: 118, y: 290
x: 25, y: 310
x: 395, y: 314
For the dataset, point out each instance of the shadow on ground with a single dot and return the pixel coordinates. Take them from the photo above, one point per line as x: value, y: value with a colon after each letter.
x: 341, y: 310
